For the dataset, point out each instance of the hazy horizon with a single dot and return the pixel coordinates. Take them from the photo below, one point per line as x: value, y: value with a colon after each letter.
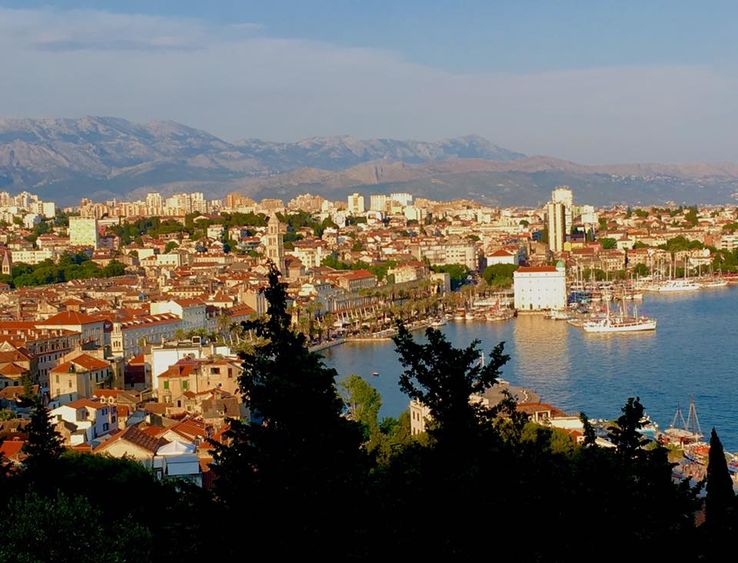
x: 594, y: 84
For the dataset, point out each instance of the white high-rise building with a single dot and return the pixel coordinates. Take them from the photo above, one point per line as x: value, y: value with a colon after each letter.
x: 564, y: 195
x: 154, y: 203
x: 378, y: 202
x: 83, y: 231
x: 356, y: 204
x: 403, y: 198
x: 557, y: 225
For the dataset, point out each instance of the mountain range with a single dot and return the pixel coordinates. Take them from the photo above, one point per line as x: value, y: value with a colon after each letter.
x: 109, y: 157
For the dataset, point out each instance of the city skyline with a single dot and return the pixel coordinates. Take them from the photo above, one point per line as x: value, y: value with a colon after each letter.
x: 591, y: 85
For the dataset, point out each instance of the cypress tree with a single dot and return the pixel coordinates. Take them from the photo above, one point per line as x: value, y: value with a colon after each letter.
x: 625, y: 432
x: 44, y: 445
x: 297, y: 459
x: 720, y: 499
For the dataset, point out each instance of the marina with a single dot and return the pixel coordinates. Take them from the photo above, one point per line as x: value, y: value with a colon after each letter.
x: 576, y: 371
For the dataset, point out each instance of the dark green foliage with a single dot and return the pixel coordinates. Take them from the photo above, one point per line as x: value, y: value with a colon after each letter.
x: 608, y: 243
x: 66, y: 528
x: 458, y: 273
x: 681, y: 243
x: 43, y: 445
x: 590, y: 438
x: 499, y: 275
x: 624, y: 433
x: 381, y: 439
x: 720, y: 501
x: 379, y: 270
x: 298, y: 459
x: 69, y: 267
x: 444, y: 378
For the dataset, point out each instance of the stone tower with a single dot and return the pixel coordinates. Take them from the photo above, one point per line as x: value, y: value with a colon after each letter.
x: 275, y: 244
x: 7, y: 266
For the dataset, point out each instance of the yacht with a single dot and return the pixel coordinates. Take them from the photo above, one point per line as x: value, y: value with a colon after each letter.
x: 678, y: 285
x: 620, y: 324
x: 714, y: 282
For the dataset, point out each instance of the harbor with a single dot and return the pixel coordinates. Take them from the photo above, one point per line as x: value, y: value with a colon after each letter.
x: 579, y: 372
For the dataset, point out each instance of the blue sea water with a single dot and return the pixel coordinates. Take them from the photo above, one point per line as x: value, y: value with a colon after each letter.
x: 692, y: 354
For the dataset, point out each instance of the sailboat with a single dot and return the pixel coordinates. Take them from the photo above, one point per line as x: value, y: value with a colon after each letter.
x: 620, y: 322
x: 676, y: 284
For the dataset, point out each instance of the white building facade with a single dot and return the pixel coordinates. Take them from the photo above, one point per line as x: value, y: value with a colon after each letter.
x: 540, y: 288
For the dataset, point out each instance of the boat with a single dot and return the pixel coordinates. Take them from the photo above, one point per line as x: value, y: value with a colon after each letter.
x: 460, y: 315
x: 677, y: 285
x: 499, y: 314
x: 375, y: 373
x: 619, y: 323
x: 437, y: 323
x: 715, y: 282
x: 559, y: 315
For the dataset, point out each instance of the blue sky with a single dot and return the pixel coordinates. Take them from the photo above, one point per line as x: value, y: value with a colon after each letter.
x: 587, y: 81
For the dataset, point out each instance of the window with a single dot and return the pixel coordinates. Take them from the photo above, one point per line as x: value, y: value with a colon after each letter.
x: 185, y: 385
x: 166, y: 385
x: 105, y: 426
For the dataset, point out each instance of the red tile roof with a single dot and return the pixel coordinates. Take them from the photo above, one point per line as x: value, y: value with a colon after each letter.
x: 535, y: 269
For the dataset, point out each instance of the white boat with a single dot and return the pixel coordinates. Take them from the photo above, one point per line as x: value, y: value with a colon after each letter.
x: 438, y: 323
x: 716, y: 282
x: 677, y: 285
x: 559, y: 315
x: 620, y: 324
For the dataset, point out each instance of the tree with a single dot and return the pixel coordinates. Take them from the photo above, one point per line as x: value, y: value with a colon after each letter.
x: 44, y: 444
x: 625, y: 432
x: 363, y: 402
x: 720, y: 500
x: 66, y: 528
x: 171, y: 245
x: 113, y: 269
x: 499, y: 275
x: 608, y: 243
x: 590, y: 438
x: 445, y: 379
x: 457, y: 272
x: 296, y: 459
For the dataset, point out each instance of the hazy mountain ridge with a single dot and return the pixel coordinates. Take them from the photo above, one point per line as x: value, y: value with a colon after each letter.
x: 106, y: 157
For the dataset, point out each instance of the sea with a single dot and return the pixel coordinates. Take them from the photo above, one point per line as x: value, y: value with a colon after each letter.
x: 691, y: 356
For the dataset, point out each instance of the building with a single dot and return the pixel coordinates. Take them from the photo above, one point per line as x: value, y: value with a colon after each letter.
x: 356, y: 204
x: 77, y: 378
x: 31, y: 257
x: 191, y: 311
x: 556, y: 222
x: 83, y: 231
x: 564, y: 196
x: 7, y: 264
x: 403, y: 198
x: 129, y: 338
x: 539, y: 288
x: 378, y: 202
x: 91, y: 329
x: 84, y: 420
x: 161, y: 356
x: 274, y: 243
x: 503, y: 256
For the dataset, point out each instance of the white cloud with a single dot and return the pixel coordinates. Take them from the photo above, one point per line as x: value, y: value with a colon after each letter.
x: 236, y: 81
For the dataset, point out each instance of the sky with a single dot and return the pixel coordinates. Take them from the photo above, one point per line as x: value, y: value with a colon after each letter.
x: 592, y: 82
